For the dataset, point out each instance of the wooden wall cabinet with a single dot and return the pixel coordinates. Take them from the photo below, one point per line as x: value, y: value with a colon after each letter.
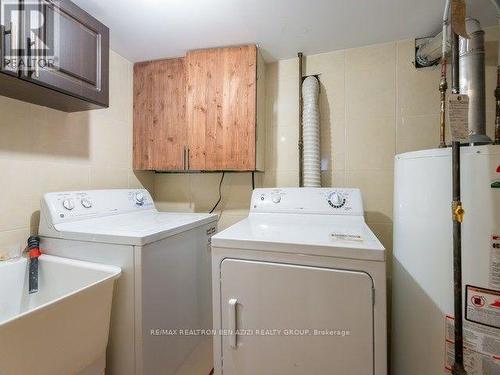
x: 160, y: 129
x: 204, y: 112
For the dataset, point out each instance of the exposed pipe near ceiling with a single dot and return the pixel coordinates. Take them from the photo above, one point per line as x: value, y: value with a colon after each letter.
x: 301, y: 133
x: 430, y: 53
x: 311, y: 131
x: 472, y: 77
x: 497, y: 91
x: 437, y: 48
x: 473, y: 80
x: 443, y: 84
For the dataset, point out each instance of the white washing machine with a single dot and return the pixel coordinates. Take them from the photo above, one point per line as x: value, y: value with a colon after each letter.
x: 165, y: 286
x: 299, y: 287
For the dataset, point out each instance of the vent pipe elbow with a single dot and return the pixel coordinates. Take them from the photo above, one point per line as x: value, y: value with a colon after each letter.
x: 437, y: 48
x: 431, y: 52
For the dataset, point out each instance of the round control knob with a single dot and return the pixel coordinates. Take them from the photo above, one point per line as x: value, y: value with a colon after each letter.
x: 276, y: 198
x: 86, y: 203
x: 68, y: 204
x: 336, y: 200
x: 139, y: 198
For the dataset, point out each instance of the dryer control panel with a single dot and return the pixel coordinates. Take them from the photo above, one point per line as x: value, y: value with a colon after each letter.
x: 77, y: 205
x: 328, y: 201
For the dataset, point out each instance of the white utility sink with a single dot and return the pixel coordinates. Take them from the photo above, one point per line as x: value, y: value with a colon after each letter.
x: 62, y: 329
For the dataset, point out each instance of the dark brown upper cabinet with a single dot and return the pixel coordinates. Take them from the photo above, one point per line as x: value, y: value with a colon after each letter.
x: 54, y: 54
x: 10, y: 23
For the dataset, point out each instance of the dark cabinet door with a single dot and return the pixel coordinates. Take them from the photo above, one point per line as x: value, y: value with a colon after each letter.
x: 10, y: 28
x: 67, y: 50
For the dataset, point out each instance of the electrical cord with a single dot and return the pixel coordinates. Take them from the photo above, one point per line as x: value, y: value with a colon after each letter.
x: 220, y: 192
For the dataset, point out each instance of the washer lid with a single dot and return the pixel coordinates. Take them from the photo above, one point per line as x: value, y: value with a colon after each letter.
x: 325, y: 235
x: 136, y: 228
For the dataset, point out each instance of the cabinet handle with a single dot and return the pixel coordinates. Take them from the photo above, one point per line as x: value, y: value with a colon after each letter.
x: 188, y: 168
x: 184, y: 158
x: 29, y: 43
x: 233, y: 303
x: 13, y: 33
x: 41, y: 21
x: 35, y: 61
x: 35, y: 43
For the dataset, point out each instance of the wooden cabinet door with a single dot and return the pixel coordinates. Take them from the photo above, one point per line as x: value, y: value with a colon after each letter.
x: 221, y: 98
x: 67, y: 49
x: 160, y: 133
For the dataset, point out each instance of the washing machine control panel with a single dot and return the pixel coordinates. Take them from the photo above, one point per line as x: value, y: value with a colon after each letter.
x: 76, y: 205
x: 331, y: 201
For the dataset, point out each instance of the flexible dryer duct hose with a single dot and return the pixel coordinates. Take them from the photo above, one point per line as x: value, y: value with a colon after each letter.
x: 311, y: 132
x: 438, y: 47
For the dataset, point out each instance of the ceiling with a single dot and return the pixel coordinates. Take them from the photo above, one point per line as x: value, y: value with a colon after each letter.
x: 152, y: 29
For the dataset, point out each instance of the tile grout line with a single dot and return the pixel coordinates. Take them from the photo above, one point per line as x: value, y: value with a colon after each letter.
x: 396, y: 90
x: 346, y: 183
x: 16, y: 229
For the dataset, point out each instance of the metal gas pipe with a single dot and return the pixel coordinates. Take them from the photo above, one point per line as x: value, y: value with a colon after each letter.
x: 497, y: 91
x: 301, y: 131
x: 457, y: 213
x: 443, y: 85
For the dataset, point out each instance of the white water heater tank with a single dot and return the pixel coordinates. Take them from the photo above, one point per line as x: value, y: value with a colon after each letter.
x: 423, y: 304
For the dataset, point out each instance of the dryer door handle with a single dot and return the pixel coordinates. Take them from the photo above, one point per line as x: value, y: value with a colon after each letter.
x: 232, y: 325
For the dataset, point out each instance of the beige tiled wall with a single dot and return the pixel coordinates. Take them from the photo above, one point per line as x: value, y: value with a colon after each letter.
x: 200, y: 193
x: 282, y: 125
x: 374, y: 104
x: 44, y: 150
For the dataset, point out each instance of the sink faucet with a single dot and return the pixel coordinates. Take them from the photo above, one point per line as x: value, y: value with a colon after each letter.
x: 34, y: 253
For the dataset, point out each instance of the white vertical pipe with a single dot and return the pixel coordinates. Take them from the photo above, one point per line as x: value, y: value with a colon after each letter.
x: 445, y: 45
x: 311, y: 131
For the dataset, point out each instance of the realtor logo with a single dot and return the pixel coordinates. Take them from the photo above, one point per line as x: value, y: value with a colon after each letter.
x: 29, y: 35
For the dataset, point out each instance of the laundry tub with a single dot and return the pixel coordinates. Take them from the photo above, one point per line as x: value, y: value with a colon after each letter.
x: 63, y: 329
